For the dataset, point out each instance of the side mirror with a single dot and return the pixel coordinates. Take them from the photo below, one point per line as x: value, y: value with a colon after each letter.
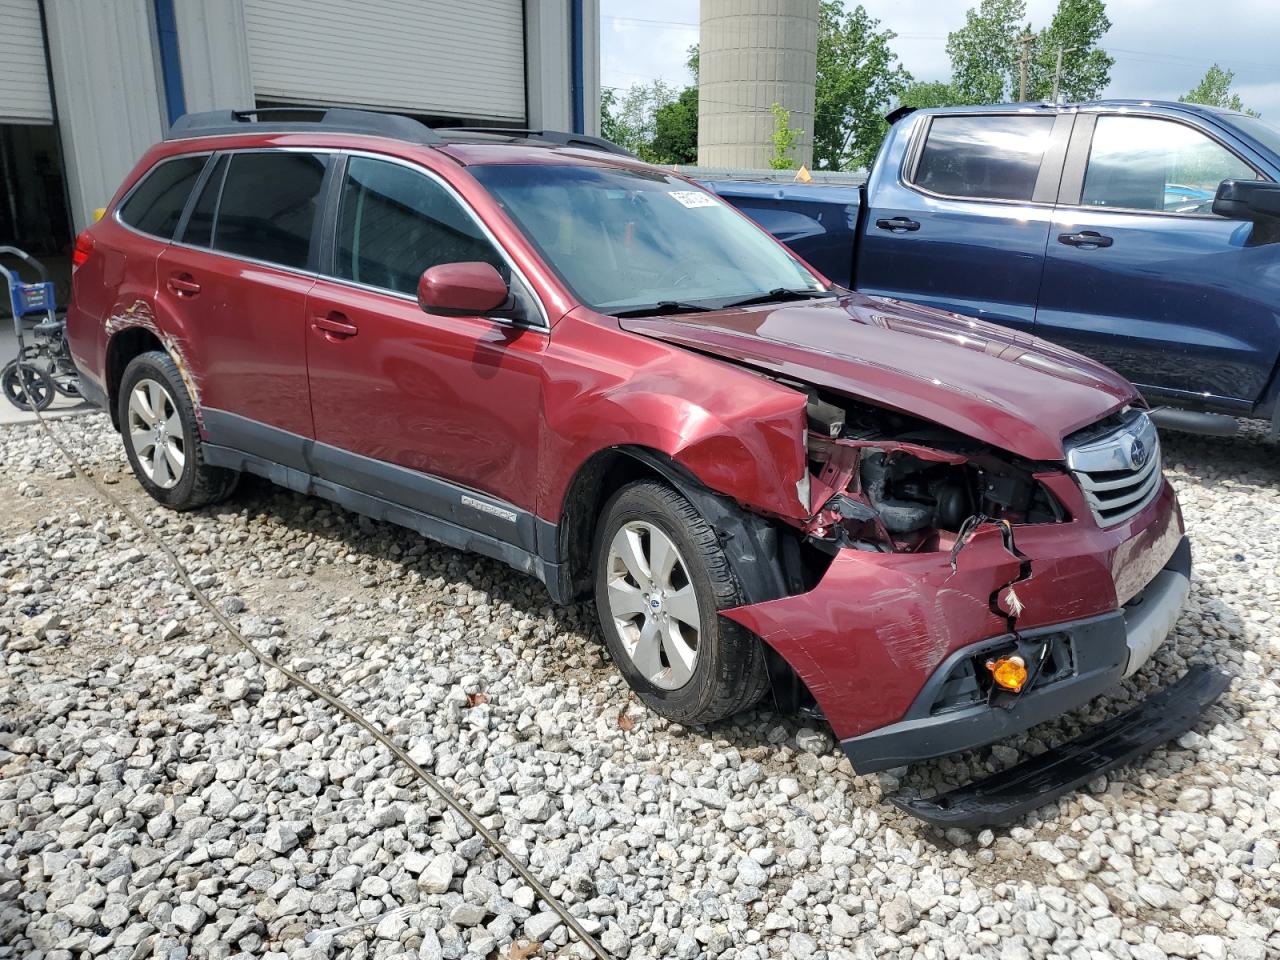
x: 1247, y: 200
x: 462, y: 289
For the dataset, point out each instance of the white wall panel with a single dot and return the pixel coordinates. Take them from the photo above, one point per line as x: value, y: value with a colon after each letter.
x: 417, y: 56
x: 214, y: 51
x: 109, y: 107
x: 24, y: 79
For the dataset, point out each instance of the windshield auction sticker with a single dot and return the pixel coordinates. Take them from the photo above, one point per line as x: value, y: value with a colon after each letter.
x: 694, y: 198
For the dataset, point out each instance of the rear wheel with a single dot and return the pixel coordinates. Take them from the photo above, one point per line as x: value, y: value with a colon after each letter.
x: 661, y: 580
x: 161, y: 438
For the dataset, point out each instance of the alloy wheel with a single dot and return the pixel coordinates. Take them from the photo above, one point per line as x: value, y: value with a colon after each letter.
x: 653, y: 604
x: 155, y: 432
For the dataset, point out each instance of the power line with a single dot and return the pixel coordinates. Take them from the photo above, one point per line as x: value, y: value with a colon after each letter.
x: 677, y: 24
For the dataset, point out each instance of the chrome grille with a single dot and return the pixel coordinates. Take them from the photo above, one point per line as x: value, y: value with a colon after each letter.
x: 1119, y: 469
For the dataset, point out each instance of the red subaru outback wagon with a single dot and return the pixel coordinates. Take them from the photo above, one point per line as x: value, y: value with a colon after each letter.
x: 933, y: 531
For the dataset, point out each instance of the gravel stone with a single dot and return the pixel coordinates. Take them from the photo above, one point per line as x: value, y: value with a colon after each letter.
x: 438, y: 874
x: 162, y: 794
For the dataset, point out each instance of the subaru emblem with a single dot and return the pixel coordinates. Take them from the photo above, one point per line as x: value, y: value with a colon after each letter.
x: 1137, y: 453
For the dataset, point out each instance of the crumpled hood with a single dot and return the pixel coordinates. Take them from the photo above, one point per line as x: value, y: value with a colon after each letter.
x: 1002, y: 387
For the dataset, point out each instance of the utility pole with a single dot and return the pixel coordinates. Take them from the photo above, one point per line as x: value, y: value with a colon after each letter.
x: 1057, y: 70
x: 1025, y: 40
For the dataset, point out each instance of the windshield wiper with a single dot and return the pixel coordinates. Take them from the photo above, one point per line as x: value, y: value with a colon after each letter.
x: 661, y: 309
x: 777, y: 295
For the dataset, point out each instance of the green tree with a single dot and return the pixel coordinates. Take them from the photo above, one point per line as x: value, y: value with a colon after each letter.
x: 1214, y: 90
x: 1076, y: 28
x: 629, y: 119
x: 785, y: 137
x: 984, y: 52
x: 675, y: 136
x: 858, y: 77
x: 922, y: 94
x: 653, y: 120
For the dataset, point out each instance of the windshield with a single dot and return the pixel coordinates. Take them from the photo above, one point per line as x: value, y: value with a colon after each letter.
x: 624, y: 240
x: 1260, y: 130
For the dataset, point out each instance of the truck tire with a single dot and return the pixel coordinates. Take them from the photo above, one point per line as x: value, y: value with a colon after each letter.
x: 162, y: 439
x: 661, y: 579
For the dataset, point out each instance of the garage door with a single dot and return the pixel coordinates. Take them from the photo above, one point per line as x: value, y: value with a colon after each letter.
x: 24, y: 80
x: 417, y: 56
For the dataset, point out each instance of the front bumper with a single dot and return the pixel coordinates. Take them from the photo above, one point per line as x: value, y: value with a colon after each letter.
x: 867, y: 638
x: 1102, y: 650
x: 1043, y: 778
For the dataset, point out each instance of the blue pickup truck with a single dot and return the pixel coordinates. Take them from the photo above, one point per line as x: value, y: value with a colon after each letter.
x: 1143, y: 234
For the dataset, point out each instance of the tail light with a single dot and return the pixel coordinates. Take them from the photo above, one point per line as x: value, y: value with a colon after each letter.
x: 84, y: 247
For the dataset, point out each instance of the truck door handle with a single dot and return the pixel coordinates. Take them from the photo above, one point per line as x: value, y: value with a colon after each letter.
x: 1086, y: 238
x: 183, y: 284
x: 335, y: 326
x: 898, y: 225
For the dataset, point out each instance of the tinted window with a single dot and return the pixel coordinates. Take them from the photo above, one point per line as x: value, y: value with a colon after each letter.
x: 994, y: 158
x: 156, y: 206
x: 268, y: 206
x: 1142, y: 163
x: 199, y: 229
x: 394, y: 223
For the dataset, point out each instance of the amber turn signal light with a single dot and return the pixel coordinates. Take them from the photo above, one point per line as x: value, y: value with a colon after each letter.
x: 1008, y: 672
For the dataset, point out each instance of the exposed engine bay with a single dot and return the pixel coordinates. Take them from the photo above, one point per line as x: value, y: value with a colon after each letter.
x: 890, y: 482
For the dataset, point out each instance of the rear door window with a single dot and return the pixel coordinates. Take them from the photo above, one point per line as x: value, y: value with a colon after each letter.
x: 983, y: 158
x: 268, y: 206
x: 1144, y: 163
x: 155, y: 207
x: 199, y: 229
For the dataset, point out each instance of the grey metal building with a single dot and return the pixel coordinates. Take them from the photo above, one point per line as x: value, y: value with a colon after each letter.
x: 87, y: 85
x: 753, y: 54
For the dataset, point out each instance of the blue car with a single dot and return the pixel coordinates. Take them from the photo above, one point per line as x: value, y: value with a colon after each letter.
x: 1143, y: 234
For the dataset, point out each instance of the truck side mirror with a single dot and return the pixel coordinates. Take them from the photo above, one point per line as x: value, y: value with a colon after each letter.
x: 1256, y: 200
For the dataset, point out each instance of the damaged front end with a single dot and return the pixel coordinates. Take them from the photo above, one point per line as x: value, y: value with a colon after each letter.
x: 955, y: 594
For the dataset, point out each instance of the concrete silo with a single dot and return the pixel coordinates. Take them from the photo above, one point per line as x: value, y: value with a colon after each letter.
x: 753, y: 54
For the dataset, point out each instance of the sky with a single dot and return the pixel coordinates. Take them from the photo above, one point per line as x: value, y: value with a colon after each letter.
x: 1161, y: 47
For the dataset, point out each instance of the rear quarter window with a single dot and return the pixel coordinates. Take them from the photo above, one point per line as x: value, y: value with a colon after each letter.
x: 155, y: 206
x: 983, y: 158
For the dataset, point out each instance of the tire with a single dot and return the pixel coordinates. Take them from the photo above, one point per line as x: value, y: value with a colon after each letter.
x: 170, y: 469
x: 26, y: 386
x: 728, y: 672
x: 66, y: 383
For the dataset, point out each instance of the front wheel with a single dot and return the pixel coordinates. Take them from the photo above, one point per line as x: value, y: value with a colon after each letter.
x: 661, y: 578
x: 161, y: 437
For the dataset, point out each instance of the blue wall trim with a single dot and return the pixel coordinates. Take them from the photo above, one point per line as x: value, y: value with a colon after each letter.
x: 170, y: 65
x: 576, y: 40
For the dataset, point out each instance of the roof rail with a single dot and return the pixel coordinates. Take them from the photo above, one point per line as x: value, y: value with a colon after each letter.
x: 278, y: 120
x: 559, y: 137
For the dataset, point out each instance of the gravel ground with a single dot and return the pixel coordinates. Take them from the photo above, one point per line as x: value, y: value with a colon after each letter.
x: 160, y: 795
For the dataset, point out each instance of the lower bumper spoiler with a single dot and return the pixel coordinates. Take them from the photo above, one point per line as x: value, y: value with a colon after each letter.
x: 1020, y: 789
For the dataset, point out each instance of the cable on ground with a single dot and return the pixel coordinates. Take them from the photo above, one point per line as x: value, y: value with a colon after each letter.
x: 491, y: 839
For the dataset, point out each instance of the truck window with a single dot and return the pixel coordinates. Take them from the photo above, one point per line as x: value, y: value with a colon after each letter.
x: 1144, y: 163
x: 983, y: 158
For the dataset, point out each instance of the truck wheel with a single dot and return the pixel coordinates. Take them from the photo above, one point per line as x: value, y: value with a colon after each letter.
x: 661, y: 579
x: 161, y: 438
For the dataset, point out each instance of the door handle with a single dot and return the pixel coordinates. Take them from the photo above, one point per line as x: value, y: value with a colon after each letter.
x: 1088, y: 239
x: 335, y: 326
x: 899, y: 225
x: 183, y: 284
